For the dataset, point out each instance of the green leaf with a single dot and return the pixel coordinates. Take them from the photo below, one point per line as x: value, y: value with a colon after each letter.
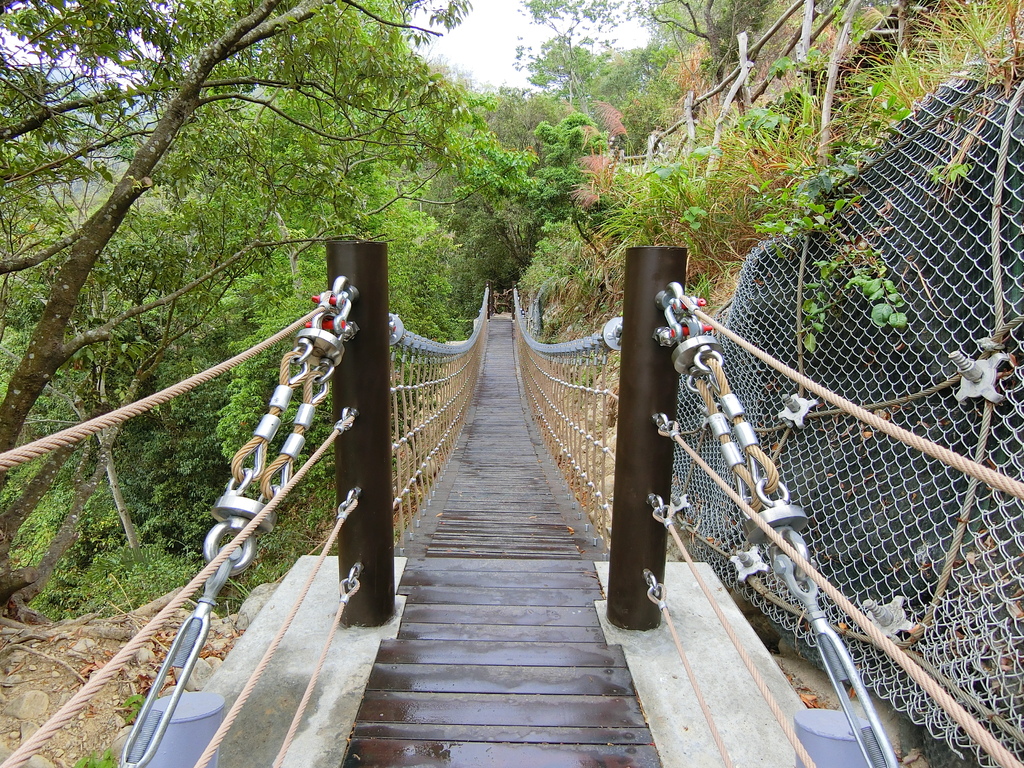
x: 880, y: 314
x: 810, y: 343
x: 897, y: 320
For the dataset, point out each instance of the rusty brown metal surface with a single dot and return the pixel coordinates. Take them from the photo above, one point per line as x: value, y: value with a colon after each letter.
x: 500, y: 659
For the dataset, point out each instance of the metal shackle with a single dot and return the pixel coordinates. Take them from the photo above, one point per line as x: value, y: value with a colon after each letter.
x: 236, y: 505
x: 684, y: 355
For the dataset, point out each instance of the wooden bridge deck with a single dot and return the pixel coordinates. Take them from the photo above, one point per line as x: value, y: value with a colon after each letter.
x: 500, y: 659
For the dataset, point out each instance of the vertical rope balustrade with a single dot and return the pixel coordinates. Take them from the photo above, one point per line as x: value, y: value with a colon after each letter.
x: 567, y: 387
x: 431, y: 387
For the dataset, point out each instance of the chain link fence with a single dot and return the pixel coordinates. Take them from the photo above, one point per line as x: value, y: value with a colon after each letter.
x: 889, y: 523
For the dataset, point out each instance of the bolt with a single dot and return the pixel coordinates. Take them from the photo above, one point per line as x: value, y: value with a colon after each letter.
x: 745, y: 558
x: 879, y: 613
x: 967, y: 367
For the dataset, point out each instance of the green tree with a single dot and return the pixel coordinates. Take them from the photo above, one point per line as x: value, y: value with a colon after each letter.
x: 715, y: 22
x: 153, y: 155
x: 570, y: 58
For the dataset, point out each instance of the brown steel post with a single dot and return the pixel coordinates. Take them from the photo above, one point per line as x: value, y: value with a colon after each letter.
x: 363, y: 454
x: 643, y: 459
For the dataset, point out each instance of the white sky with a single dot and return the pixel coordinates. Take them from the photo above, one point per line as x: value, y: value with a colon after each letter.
x: 484, y: 45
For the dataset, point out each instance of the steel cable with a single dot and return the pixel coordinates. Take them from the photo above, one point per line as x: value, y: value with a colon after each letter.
x: 755, y: 674
x: 993, y: 478
x: 275, y: 642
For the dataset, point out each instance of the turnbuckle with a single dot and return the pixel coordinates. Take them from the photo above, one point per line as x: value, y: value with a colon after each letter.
x: 835, y: 656
x: 149, y: 727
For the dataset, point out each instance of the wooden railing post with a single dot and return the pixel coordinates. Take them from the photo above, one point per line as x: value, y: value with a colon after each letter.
x: 363, y: 454
x: 643, y: 459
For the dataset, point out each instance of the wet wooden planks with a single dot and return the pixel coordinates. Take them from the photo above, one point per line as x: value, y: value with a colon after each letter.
x: 500, y: 503
x: 500, y: 659
x: 500, y: 663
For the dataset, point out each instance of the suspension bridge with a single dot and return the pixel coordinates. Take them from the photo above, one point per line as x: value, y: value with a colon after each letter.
x: 500, y: 657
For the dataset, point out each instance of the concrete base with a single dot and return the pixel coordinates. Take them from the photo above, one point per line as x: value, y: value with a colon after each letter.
x: 750, y: 732
x: 257, y: 735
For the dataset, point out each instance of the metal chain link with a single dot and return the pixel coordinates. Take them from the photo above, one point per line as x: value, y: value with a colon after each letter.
x: 319, y: 348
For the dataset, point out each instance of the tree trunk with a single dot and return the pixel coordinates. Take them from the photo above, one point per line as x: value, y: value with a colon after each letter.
x: 67, y: 535
x: 107, y: 439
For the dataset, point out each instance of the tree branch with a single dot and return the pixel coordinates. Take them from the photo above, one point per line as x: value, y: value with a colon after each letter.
x: 281, y: 113
x: 101, y: 144
x: 103, y: 332
x: 14, y: 263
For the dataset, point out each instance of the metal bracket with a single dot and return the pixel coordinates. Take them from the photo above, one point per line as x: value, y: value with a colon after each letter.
x: 611, y: 334
x: 890, y: 618
x: 396, y: 328
x: 748, y: 563
x: 978, y: 377
x: 796, y: 409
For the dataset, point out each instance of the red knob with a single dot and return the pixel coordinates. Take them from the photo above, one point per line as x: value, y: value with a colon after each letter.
x: 315, y: 299
x: 702, y: 302
x: 708, y: 328
x: 309, y: 325
x: 328, y: 324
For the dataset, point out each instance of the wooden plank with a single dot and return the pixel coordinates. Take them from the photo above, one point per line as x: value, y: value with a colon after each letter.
x: 414, y: 577
x: 485, y: 564
x: 514, y: 615
x: 466, y: 678
x: 477, y: 678
x: 525, y: 554
x: 424, y: 754
x: 498, y: 709
x: 496, y: 596
x: 523, y: 734
x: 497, y: 632
x: 500, y: 653
x: 500, y: 525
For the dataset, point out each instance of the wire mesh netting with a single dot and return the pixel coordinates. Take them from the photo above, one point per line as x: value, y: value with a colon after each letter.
x: 886, y: 521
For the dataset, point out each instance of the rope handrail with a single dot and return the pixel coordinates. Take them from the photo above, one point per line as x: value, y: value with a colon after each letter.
x: 79, y: 432
x: 108, y: 671
x: 275, y: 643
x: 575, y: 410
x: 971, y: 725
x: 748, y: 662
x: 656, y: 593
x: 419, y: 343
x: 995, y: 479
x: 431, y: 388
x: 585, y: 344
